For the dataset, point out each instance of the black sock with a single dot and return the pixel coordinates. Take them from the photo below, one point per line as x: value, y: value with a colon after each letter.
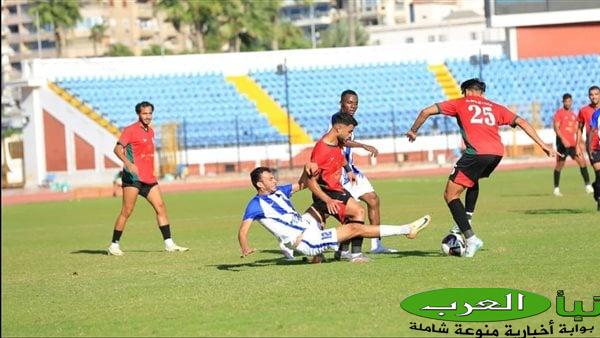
x: 356, y: 241
x: 344, y: 246
x: 471, y: 198
x: 556, y: 178
x: 597, y: 186
x: 165, y: 230
x: 117, y: 235
x: 585, y: 175
x: 460, y: 217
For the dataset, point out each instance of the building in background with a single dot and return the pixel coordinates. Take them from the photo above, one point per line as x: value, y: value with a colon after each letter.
x: 134, y: 24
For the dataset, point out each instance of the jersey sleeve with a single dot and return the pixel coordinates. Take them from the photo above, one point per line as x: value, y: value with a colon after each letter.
x: 286, y: 190
x: 506, y: 117
x: 449, y: 107
x: 125, y: 138
x: 253, y: 210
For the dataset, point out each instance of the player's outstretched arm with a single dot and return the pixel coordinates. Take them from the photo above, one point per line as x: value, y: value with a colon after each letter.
x: 423, y: 116
x: 243, y: 238
x: 308, y: 170
x: 528, y: 129
x: 353, y: 144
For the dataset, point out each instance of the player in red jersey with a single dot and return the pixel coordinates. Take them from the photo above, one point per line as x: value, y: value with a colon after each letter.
x: 565, y: 127
x: 329, y: 195
x: 479, y: 120
x: 594, y: 151
x: 585, y: 117
x: 136, y: 149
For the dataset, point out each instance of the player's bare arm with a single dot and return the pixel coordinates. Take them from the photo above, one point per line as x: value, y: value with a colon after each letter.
x: 423, y: 116
x: 353, y: 144
x: 578, y: 139
x: 528, y: 129
x: 132, y: 168
x: 243, y: 238
x: 556, y: 126
x: 309, y: 170
x: 313, y: 186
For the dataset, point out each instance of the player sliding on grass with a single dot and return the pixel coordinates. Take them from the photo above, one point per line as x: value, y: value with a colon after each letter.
x: 273, y: 209
x: 479, y: 120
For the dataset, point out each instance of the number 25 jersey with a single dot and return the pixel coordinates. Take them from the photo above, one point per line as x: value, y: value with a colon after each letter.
x: 479, y: 120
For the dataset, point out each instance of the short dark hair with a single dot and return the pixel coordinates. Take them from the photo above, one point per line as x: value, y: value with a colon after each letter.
x: 472, y: 84
x: 594, y: 87
x: 343, y: 118
x: 256, y: 174
x: 567, y: 96
x: 143, y: 104
x: 347, y: 92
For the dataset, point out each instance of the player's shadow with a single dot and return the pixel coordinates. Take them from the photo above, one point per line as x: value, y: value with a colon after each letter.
x: 415, y: 253
x: 525, y: 195
x: 104, y: 252
x: 257, y: 264
x: 558, y: 211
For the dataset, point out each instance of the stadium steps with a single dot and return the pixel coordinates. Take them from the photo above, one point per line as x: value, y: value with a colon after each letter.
x: 445, y: 80
x: 265, y: 104
x: 84, y: 108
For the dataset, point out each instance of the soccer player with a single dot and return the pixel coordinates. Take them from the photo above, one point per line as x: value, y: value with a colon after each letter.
x: 361, y: 189
x: 565, y: 127
x: 136, y: 149
x: 273, y: 209
x: 594, y: 151
x: 329, y: 195
x: 479, y: 120
x: 585, y: 117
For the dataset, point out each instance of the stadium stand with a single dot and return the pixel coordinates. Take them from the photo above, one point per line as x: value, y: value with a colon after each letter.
x: 389, y: 94
x: 208, y: 104
x: 541, y: 80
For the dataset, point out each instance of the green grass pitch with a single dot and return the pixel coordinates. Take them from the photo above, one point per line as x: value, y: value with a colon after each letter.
x: 58, y: 281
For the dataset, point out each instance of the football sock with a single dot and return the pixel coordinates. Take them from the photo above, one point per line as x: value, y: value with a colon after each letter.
x: 356, y: 241
x: 471, y: 198
x: 556, y: 178
x: 344, y: 246
x: 585, y: 175
x: 393, y: 230
x: 460, y: 217
x: 165, y: 230
x: 116, y: 236
x: 597, y: 185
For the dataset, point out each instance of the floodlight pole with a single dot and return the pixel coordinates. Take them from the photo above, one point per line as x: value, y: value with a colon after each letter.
x: 480, y: 59
x: 282, y: 69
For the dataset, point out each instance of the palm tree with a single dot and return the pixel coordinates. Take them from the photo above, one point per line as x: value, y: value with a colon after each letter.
x: 97, y: 33
x: 199, y: 16
x: 61, y: 14
x: 119, y: 49
x: 337, y: 35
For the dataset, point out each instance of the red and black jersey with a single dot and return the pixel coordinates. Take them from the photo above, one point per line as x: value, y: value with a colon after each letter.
x: 567, y: 125
x: 330, y: 161
x: 585, y: 116
x: 479, y: 120
x: 138, y: 143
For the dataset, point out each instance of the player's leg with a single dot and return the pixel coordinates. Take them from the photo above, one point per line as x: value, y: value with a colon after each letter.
x: 355, y: 213
x: 452, y: 196
x: 130, y: 194
x: 583, y: 170
x: 560, y: 163
x: 155, y: 199
x: 410, y: 230
x: 595, y: 159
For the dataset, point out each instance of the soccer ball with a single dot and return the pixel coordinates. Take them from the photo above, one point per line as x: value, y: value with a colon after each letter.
x: 453, y: 245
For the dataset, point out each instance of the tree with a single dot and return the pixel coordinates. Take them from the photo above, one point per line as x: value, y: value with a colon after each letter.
x: 199, y: 16
x: 337, y: 35
x: 246, y: 22
x: 97, y: 33
x: 118, y: 49
x: 60, y: 14
x: 155, y: 49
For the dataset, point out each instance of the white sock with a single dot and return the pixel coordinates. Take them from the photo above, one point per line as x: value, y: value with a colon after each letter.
x: 114, y: 245
x: 375, y: 243
x: 393, y: 230
x: 169, y: 242
x: 472, y: 239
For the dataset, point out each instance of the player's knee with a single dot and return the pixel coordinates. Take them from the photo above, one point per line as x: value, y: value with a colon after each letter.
x: 126, y: 211
x: 372, y: 200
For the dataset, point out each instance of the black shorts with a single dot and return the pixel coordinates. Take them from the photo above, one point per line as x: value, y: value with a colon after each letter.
x: 595, y: 157
x: 143, y: 188
x: 470, y: 168
x: 321, y: 207
x: 567, y: 151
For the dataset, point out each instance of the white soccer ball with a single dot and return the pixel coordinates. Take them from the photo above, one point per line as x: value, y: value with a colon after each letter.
x: 453, y: 245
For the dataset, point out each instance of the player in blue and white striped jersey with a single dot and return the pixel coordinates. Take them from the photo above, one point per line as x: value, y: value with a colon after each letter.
x: 273, y: 209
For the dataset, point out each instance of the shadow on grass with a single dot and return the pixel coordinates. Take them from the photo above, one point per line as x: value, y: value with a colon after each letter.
x: 559, y: 211
x: 417, y: 253
x: 525, y: 195
x: 104, y: 252
x: 257, y: 264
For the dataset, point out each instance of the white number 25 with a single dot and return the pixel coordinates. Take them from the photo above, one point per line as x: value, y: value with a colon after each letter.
x: 481, y: 116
